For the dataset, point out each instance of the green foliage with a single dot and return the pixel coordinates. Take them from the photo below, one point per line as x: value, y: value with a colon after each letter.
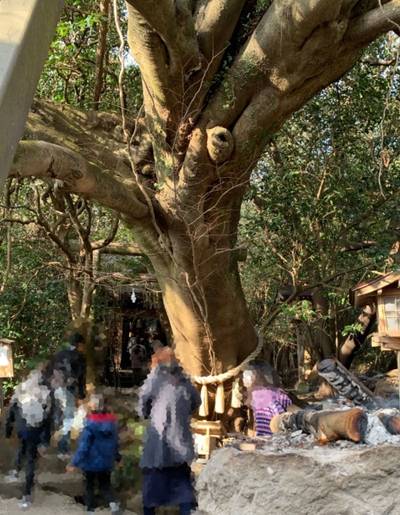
x: 128, y: 475
x: 329, y: 181
x: 33, y: 305
x: 70, y: 71
x: 300, y: 310
x: 351, y: 329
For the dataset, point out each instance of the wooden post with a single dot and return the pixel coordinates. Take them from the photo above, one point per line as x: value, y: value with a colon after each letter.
x: 1, y: 396
x: 398, y: 372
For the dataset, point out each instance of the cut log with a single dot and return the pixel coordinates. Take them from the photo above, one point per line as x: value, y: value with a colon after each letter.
x: 346, y: 383
x: 326, y: 426
x: 391, y: 423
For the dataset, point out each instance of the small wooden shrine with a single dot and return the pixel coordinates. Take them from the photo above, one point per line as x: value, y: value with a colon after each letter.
x: 384, y: 292
x: 129, y: 310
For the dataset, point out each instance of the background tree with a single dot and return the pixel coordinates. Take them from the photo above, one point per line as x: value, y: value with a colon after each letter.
x: 71, y: 236
x: 214, y: 94
x: 322, y: 213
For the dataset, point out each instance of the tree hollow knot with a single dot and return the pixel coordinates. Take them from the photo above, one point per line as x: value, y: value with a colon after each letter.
x: 219, y: 144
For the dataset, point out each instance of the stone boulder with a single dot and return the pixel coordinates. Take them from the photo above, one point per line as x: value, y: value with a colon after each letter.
x: 323, y: 480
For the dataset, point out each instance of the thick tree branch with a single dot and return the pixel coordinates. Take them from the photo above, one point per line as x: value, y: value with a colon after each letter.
x: 166, y: 56
x: 53, y: 162
x: 297, y: 49
x: 114, y: 248
x: 215, y: 23
x: 110, y: 238
x: 372, y: 24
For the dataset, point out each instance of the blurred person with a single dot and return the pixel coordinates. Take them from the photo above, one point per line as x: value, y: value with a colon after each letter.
x: 265, y: 399
x: 66, y: 374
x: 139, y: 358
x: 97, y: 453
x: 30, y: 414
x: 168, y: 399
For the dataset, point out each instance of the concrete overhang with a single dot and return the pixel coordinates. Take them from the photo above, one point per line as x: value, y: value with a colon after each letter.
x: 26, y: 30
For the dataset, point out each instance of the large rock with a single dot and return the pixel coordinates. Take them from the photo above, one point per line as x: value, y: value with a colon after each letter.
x: 323, y: 480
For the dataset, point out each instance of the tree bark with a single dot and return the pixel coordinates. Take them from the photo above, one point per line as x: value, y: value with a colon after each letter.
x: 203, y: 299
x: 354, y: 341
x: 321, y: 332
x: 104, y: 10
x: 214, y: 95
x: 214, y: 335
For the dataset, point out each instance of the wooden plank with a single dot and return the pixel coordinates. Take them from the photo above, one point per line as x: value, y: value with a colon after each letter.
x: 385, y: 342
x: 382, y: 328
x: 377, y: 283
x: 375, y: 340
x: 1, y: 397
x: 390, y: 346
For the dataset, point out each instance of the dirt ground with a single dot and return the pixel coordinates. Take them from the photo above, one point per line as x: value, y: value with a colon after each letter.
x: 48, y: 503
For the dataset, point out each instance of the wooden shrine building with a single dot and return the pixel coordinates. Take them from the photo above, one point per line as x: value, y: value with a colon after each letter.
x: 130, y: 311
x: 384, y: 292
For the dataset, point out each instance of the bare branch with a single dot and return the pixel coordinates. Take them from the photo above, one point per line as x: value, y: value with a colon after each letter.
x: 114, y: 248
x: 81, y: 231
x: 42, y: 222
x: 113, y: 232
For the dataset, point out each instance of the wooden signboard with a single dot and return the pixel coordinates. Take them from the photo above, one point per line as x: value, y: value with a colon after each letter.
x: 6, y: 359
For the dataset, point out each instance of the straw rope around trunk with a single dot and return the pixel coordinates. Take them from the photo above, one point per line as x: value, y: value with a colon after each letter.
x: 233, y: 372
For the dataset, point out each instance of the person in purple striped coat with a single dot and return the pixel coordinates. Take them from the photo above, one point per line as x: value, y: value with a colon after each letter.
x: 263, y: 398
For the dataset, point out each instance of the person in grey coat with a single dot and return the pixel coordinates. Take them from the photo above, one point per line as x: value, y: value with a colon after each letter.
x: 168, y: 399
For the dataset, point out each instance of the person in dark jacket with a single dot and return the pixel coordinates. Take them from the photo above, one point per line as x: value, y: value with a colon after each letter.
x: 30, y: 415
x: 66, y: 373
x: 97, y: 453
x: 168, y: 399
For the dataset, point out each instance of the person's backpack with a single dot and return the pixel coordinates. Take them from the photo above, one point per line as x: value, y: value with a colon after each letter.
x: 33, y: 399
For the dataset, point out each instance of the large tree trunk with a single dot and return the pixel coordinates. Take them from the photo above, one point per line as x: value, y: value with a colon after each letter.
x: 212, y: 332
x: 203, y: 299
x: 219, y: 79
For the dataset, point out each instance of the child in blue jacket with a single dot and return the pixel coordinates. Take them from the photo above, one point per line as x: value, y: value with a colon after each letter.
x: 97, y: 453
